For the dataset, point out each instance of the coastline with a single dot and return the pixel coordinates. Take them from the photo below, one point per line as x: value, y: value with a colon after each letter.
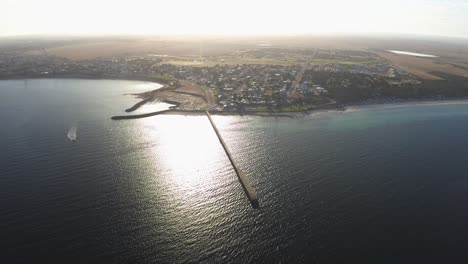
x: 383, y: 102
x: 295, y: 114
x: 84, y: 77
x: 405, y: 102
x: 291, y: 114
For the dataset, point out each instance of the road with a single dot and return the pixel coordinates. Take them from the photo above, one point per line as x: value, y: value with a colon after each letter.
x: 293, y: 91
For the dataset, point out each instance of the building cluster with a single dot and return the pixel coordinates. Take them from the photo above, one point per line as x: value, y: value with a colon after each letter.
x: 247, y: 86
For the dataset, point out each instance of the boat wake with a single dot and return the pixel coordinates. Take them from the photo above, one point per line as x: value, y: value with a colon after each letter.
x: 72, y: 133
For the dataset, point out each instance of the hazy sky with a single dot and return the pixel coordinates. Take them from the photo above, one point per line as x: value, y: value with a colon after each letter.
x: 430, y: 17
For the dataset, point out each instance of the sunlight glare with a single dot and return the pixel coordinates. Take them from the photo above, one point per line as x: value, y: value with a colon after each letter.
x: 188, y: 150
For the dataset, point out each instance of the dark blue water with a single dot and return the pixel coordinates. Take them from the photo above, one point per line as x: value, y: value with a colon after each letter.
x: 370, y: 185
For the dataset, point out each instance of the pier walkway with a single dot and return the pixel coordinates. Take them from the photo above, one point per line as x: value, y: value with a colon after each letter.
x: 249, y: 190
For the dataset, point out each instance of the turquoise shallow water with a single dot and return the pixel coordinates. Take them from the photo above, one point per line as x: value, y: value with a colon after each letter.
x: 377, y: 184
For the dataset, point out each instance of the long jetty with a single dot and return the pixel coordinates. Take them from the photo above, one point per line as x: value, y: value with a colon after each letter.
x: 249, y: 190
x: 140, y: 116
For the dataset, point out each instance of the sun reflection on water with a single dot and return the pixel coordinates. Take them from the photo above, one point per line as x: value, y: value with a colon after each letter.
x: 189, y: 152
x: 153, y: 107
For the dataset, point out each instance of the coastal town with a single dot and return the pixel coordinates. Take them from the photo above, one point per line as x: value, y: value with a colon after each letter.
x: 268, y: 80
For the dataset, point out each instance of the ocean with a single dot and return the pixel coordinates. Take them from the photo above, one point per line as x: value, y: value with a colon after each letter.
x: 380, y: 184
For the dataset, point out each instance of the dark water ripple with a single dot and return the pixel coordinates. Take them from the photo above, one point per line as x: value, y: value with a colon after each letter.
x: 376, y: 185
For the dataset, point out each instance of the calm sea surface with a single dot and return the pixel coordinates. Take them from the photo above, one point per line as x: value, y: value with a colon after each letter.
x: 378, y: 184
